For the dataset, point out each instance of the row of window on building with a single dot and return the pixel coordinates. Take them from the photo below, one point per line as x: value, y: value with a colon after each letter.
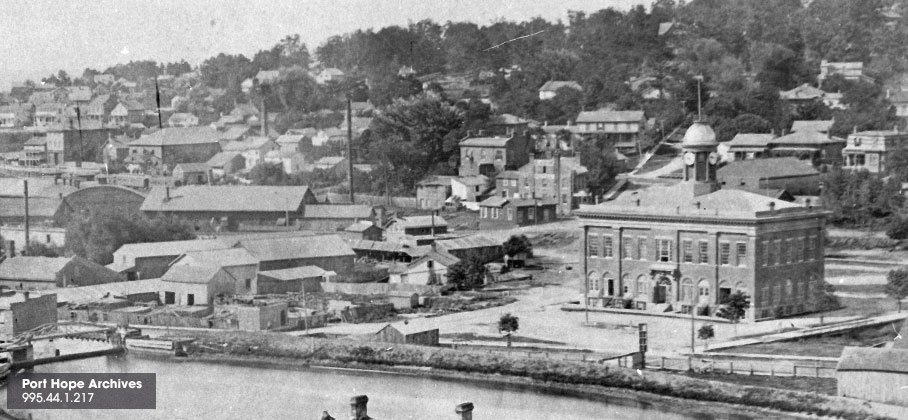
x: 603, y: 246
x: 791, y: 250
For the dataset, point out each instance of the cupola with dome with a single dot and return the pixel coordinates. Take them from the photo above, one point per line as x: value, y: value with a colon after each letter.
x: 700, y: 158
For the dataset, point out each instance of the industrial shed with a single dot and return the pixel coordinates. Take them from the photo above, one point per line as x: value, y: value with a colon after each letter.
x: 873, y: 374
x: 407, y: 334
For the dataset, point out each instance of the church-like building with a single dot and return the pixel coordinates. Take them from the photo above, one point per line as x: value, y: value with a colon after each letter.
x: 689, y: 246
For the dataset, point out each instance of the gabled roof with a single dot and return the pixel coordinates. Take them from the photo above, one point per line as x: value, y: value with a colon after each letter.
x: 199, y: 274
x: 473, y: 180
x: 751, y: 140
x: 290, y: 248
x: 807, y: 138
x: 220, y: 159
x: 486, y: 141
x: 192, y: 167
x: 234, y: 132
x: 467, y: 242
x: 226, y: 198
x: 608, y: 115
x: 420, y: 221
x: 250, y: 143
x: 768, y: 168
x: 508, y: 119
x: 229, y: 257
x: 168, y: 248
x: 494, y: 201
x: 172, y: 136
x: 305, y: 272
x: 35, y: 141
x: 329, y: 161
x: 805, y: 91
x: 289, y: 138
x: 819, y: 126
x: 79, y: 93
x: 337, y: 211
x: 863, y: 359
x: 360, y: 226
x: 32, y: 268
x: 554, y: 85
x: 436, y: 181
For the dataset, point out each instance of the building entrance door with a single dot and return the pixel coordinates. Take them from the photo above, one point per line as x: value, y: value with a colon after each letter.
x: 661, y: 291
x: 611, y: 287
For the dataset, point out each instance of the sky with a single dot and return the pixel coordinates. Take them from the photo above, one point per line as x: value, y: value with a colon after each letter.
x: 39, y: 37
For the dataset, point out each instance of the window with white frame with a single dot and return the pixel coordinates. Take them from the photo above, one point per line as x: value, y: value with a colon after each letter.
x: 593, y: 245
x: 703, y: 252
x: 641, y: 247
x: 607, y: 248
x: 665, y: 250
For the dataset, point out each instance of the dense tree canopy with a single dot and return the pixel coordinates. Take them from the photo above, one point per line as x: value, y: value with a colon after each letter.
x: 97, y: 235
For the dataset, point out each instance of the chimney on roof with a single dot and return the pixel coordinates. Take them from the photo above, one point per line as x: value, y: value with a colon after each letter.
x: 167, y: 192
x: 808, y: 204
x: 480, y: 133
x: 772, y: 206
x: 773, y: 132
x: 698, y: 205
x: 638, y: 202
x: 854, y: 129
x: 25, y: 294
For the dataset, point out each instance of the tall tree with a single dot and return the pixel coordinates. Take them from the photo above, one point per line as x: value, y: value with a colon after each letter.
x: 508, y: 324
x: 897, y: 285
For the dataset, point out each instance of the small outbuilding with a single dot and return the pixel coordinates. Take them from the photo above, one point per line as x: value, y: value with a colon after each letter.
x: 407, y: 334
x: 873, y: 374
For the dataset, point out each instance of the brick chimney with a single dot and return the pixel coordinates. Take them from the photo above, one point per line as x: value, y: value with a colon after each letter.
x: 465, y: 411
x: 358, y: 408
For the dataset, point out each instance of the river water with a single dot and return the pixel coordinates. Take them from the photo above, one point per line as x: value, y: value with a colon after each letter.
x: 199, y: 390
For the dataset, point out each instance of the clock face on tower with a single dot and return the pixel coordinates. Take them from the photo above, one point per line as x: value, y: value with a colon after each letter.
x: 713, y: 158
x: 689, y: 159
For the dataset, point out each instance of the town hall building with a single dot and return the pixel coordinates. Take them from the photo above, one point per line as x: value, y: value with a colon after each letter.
x: 690, y: 246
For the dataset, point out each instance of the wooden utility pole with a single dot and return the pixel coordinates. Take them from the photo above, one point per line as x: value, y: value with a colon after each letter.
x: 25, y: 193
x: 350, y: 146
x: 157, y: 98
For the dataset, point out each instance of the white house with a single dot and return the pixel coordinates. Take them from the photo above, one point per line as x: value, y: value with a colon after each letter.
x: 430, y: 269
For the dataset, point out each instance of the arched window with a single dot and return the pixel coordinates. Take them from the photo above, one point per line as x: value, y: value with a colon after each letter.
x: 739, y: 287
x: 591, y: 281
x: 625, y: 284
x: 703, y: 291
x: 777, y: 293
x: 687, y: 290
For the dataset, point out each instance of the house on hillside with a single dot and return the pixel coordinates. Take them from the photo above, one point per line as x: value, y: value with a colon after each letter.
x: 748, y: 146
x: 819, y: 126
x: 171, y: 146
x: 870, y: 150
x: 39, y: 273
x: 190, y: 174
x: 225, y: 163
x: 253, y: 149
x: 816, y: 147
x: 853, y: 71
x: 126, y: 113
x: 330, y: 74
x: 508, y: 124
x: 334, y: 164
x: 488, y: 155
x: 225, y: 207
x: 182, y: 119
x: 432, y: 192
x: 290, y: 142
x: 550, y: 89
x: 625, y: 129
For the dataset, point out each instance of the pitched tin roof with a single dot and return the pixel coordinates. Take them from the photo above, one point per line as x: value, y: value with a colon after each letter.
x: 226, y: 198
x: 820, y: 126
x: 420, y: 221
x: 289, y: 248
x: 337, y: 211
x: 892, y: 360
x: 768, y: 168
x: 305, y: 272
x: 172, y: 136
x: 167, y: 248
x: 607, y: 115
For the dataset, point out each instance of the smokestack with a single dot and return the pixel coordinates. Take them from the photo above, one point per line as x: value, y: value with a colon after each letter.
x: 358, y: 408
x: 465, y: 411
